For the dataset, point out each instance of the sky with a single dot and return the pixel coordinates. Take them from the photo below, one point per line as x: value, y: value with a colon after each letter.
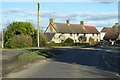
x: 98, y: 14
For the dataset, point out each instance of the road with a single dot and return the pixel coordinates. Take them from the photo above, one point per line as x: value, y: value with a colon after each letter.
x: 75, y: 63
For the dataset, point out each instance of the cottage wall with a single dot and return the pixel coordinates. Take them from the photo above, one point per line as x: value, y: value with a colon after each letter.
x: 59, y: 37
x: 102, y: 34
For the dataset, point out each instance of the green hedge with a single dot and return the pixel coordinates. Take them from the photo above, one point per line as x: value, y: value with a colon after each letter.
x: 118, y: 42
x: 67, y: 44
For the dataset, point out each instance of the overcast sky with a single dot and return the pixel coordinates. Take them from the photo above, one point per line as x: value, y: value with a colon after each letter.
x: 98, y: 14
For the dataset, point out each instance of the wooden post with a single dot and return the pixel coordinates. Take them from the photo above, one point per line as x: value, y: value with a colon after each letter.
x: 38, y: 25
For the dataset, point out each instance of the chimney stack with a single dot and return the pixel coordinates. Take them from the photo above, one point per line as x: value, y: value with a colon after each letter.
x: 51, y: 21
x: 67, y: 21
x: 82, y: 22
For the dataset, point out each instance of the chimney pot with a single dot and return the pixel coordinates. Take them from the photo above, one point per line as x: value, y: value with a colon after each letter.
x: 50, y: 20
x: 67, y: 21
x: 82, y: 22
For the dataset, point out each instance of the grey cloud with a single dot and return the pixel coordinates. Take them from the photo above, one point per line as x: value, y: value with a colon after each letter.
x: 100, y: 24
x: 72, y: 16
x: 13, y: 10
x: 106, y: 0
x: 85, y: 15
x: 102, y: 16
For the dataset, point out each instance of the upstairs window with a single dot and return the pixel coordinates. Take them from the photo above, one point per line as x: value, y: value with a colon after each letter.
x: 97, y: 34
x: 84, y: 34
x: 93, y: 34
x: 77, y: 34
x: 70, y: 34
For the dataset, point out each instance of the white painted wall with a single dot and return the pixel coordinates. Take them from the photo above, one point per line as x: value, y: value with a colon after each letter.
x: 102, y: 34
x: 58, y: 37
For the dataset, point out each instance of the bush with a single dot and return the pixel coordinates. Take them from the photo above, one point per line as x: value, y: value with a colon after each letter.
x: 42, y: 40
x: 9, y: 44
x: 22, y: 40
x: 82, y: 39
x: 81, y: 44
x: 21, y: 44
x: 68, y: 44
x: 17, y: 28
x: 118, y: 42
x: 68, y: 40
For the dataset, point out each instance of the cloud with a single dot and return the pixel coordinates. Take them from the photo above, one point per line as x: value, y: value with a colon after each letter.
x: 102, y: 16
x: 64, y: 16
x: 76, y: 15
x: 100, y: 24
x: 13, y: 10
x: 106, y: 0
x: 18, y: 20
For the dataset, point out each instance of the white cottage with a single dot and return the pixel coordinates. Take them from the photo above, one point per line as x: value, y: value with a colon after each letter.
x: 59, y: 32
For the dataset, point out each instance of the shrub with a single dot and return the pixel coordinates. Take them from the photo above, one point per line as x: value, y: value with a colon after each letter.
x: 68, y: 40
x: 21, y: 44
x: 81, y: 44
x: 82, y: 39
x: 17, y: 28
x: 9, y: 44
x: 68, y: 44
x: 42, y: 39
x: 22, y: 41
x: 118, y: 42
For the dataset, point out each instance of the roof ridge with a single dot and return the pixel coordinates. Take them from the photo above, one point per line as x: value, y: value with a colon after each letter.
x: 66, y: 23
x: 90, y: 26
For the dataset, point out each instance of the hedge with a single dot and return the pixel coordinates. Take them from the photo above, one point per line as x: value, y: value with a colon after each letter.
x: 67, y: 44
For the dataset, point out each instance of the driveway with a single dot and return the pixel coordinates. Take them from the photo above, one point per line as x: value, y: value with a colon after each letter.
x: 75, y: 63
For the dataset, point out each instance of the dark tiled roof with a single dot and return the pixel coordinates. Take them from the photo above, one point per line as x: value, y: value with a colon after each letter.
x: 107, y: 29
x: 111, y: 35
x: 73, y: 28
x: 91, y: 29
x: 49, y: 36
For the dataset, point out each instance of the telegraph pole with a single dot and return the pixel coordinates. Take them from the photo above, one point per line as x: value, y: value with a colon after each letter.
x: 38, y: 25
x: 2, y: 38
x: 2, y: 34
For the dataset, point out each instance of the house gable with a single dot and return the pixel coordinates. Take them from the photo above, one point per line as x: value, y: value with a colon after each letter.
x: 50, y: 29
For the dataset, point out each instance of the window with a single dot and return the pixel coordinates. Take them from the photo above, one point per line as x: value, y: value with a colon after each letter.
x: 97, y: 40
x: 75, y: 41
x: 93, y: 34
x: 62, y: 41
x: 77, y: 34
x: 70, y: 34
x: 97, y: 34
x: 84, y: 34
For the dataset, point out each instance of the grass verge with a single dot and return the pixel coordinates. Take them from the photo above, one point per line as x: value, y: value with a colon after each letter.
x: 31, y: 55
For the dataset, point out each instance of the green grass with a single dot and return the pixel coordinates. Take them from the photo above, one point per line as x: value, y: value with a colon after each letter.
x: 29, y: 56
x: 39, y: 54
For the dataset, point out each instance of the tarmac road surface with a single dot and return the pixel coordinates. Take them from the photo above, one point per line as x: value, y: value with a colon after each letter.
x: 74, y: 63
